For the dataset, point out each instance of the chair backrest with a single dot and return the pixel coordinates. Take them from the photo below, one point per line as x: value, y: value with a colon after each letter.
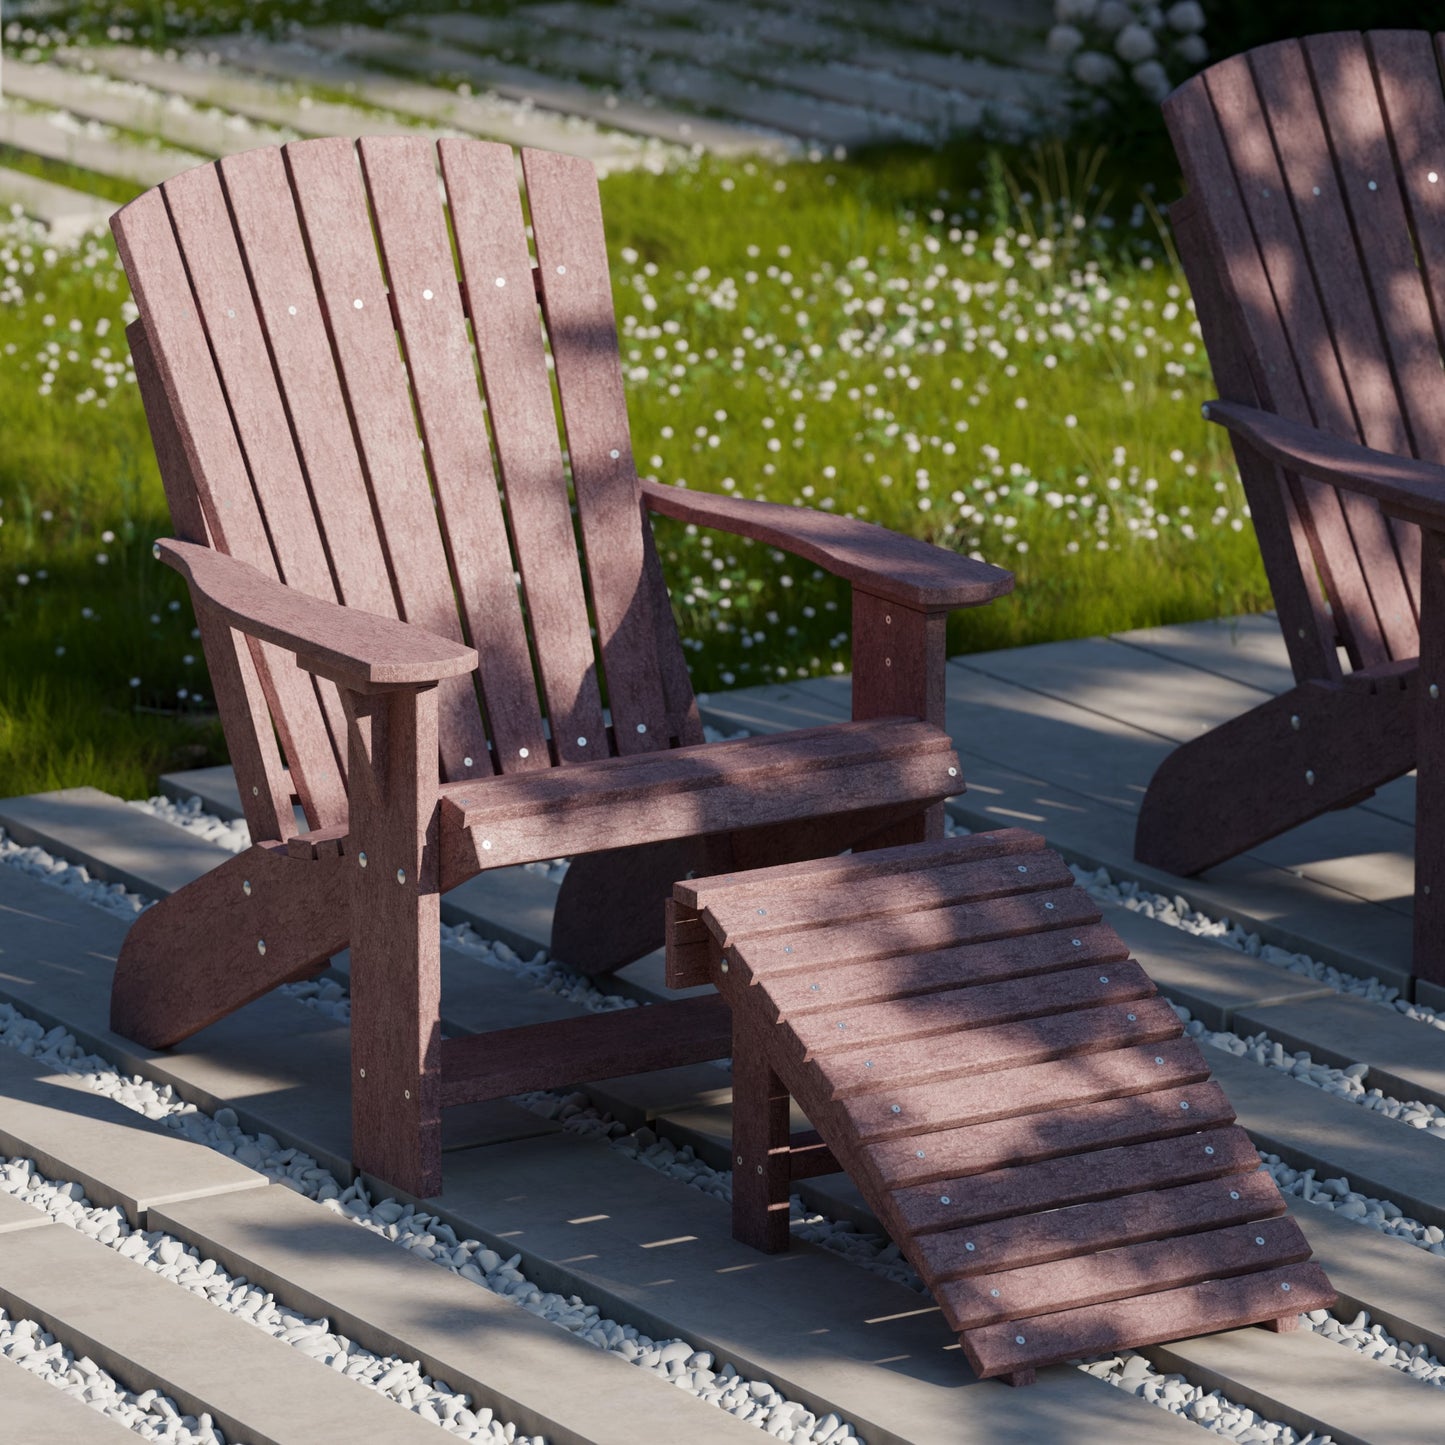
x: 350, y: 388
x: 1313, y: 234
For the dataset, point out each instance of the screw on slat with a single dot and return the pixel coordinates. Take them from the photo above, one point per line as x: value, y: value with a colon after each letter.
x: 246, y: 888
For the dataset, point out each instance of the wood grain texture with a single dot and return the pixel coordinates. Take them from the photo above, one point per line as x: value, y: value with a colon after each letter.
x: 887, y: 565
x: 411, y: 225
x: 577, y: 302
x: 496, y: 268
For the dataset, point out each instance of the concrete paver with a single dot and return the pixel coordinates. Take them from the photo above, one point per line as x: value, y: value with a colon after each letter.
x: 17, y: 1214
x: 118, y: 1156
x: 1311, y: 1383
x: 825, y: 1332
x: 548, y: 1381
x: 36, y: 1413
x: 148, y: 1333
x: 1406, y: 1058
x: 1401, y: 1285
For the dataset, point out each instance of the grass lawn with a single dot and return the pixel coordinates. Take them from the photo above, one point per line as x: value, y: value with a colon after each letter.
x: 935, y: 341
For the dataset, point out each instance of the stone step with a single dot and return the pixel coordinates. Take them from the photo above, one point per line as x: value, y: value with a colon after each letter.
x: 151, y: 1334
x: 548, y: 1381
x: 826, y: 1333
x: 69, y: 214
x: 1401, y: 1285
x: 36, y: 133
x: 1406, y: 1058
x: 1311, y: 1383
x: 134, y: 108
x: 37, y: 1413
x: 16, y: 1214
x: 465, y: 45
x: 120, y: 1157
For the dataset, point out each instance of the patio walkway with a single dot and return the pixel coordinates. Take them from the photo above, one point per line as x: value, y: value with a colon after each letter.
x: 1061, y: 738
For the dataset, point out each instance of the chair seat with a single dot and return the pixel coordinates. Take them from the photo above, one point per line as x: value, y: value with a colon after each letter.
x: 707, y: 788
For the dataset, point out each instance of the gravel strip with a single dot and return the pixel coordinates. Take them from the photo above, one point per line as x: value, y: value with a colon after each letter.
x: 150, y: 1414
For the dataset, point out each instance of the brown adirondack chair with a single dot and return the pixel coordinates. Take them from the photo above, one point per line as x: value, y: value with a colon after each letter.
x: 1313, y: 235
x: 413, y: 626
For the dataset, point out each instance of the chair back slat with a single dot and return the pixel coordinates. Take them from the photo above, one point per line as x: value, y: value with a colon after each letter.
x: 223, y: 297
x: 401, y: 179
x: 196, y: 401
x: 327, y: 182
x: 577, y: 302
x: 264, y: 214
x: 1221, y: 129
x: 491, y: 240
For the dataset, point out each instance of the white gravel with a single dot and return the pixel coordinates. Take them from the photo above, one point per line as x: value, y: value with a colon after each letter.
x: 150, y: 1414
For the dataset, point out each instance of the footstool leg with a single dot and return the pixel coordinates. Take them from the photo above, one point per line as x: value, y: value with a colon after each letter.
x: 1283, y: 1325
x: 761, y: 1177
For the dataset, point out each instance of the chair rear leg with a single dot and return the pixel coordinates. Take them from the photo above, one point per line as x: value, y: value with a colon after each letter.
x: 1317, y: 747
x: 257, y: 920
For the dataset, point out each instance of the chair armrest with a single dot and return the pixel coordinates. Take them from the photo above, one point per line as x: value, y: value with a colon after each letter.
x: 899, y: 569
x: 356, y: 649
x: 1404, y: 487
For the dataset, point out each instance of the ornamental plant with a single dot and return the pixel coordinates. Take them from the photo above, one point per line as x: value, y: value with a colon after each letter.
x: 1127, y: 54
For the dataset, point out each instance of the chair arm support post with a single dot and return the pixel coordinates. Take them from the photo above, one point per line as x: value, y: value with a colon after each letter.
x: 395, y: 903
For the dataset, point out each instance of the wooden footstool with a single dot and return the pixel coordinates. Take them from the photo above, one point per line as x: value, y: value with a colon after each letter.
x: 975, y: 1047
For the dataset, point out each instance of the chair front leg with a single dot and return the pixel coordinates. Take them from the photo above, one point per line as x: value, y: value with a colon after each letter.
x: 395, y: 938
x: 898, y: 671
x: 1429, y: 950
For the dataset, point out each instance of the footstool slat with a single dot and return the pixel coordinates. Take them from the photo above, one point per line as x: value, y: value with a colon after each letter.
x: 1004, y: 1046
x: 907, y: 975
x: 1013, y: 1243
x: 1018, y: 1093
x: 1148, y: 1319
x: 958, y: 1010
x: 1117, y: 1273
x: 1014, y: 1101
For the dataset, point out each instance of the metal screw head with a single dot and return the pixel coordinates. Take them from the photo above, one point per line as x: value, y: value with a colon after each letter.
x: 362, y: 1072
x: 1184, y: 1104
x: 246, y: 888
x: 1234, y: 1194
x: 561, y: 270
x: 1310, y: 776
x: 614, y: 454
x: 787, y: 948
x: 994, y: 1293
x: 361, y: 859
x: 1133, y: 1018
x: 723, y: 966
x: 1077, y: 942
x: 1294, y: 721
x: 581, y: 742
x: 944, y: 1199
x: 358, y: 303
x: 1259, y: 1239
x: 641, y: 727
x: 1209, y: 1149
x: 466, y: 762
x: 523, y: 753
x: 760, y: 1168
x: 156, y: 550
x: 740, y: 1158
x: 260, y: 945
x: 1204, y: 411
x: 1103, y: 978
x: 501, y: 280
x: 1373, y: 187
x: 1022, y: 868
x: 762, y: 911
x: 1432, y: 177
x: 918, y: 1154
x: 1285, y: 1286
x: 813, y: 987
x: 401, y: 875
x: 290, y: 310
x: 486, y: 844
x: 1019, y: 1340
x: 842, y: 1026
x: 1158, y: 1058
x: 1434, y: 689
x: 1049, y: 907
x: 406, y: 1093
x: 867, y: 1063
x: 426, y: 295
x: 953, y: 772
x: 895, y: 1108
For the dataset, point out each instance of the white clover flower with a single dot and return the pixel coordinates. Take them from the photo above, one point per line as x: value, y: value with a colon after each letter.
x: 1066, y: 11
x: 1094, y: 68
x: 1192, y: 49
x: 1187, y: 17
x: 1152, y: 79
x: 1065, y: 39
x: 1113, y: 15
x: 1135, y: 43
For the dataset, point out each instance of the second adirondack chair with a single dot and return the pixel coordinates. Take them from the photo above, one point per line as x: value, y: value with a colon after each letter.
x: 417, y: 645
x: 1313, y: 236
